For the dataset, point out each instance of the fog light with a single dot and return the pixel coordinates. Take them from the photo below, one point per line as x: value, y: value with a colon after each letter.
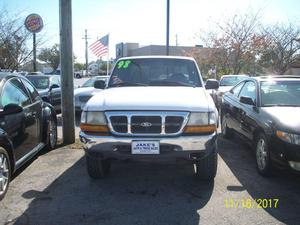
x: 295, y: 165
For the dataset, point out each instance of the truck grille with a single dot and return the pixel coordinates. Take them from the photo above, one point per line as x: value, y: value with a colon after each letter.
x: 146, y: 123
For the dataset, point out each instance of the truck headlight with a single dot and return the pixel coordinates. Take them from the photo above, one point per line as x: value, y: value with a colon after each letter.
x: 93, y: 122
x: 288, y: 137
x: 200, y: 122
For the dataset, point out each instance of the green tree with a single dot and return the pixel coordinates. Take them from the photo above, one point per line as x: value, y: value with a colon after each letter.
x: 79, y: 66
x: 50, y: 56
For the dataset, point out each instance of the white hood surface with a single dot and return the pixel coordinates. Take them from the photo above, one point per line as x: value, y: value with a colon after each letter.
x: 151, y: 98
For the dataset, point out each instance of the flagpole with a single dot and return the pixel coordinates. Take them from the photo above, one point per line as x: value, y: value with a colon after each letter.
x: 107, y: 64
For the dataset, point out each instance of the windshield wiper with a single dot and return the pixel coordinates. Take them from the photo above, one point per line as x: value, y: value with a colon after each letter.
x: 169, y: 83
x: 123, y: 84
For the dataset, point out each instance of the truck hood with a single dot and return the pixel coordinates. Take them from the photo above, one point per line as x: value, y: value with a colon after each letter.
x: 151, y: 98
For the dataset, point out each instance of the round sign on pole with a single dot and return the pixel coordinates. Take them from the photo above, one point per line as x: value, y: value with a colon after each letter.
x: 34, y: 23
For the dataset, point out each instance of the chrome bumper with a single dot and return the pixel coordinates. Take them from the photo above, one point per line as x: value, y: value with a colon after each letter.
x: 180, y: 145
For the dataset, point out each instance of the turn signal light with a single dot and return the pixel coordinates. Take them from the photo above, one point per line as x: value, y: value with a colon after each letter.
x: 103, y: 129
x: 200, y: 129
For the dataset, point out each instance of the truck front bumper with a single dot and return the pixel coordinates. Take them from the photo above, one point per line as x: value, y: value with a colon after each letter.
x: 179, y: 147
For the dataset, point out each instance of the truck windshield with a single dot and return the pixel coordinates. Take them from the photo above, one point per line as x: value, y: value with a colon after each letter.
x: 155, y: 72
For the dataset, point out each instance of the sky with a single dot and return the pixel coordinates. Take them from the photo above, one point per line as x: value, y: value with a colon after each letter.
x: 144, y: 22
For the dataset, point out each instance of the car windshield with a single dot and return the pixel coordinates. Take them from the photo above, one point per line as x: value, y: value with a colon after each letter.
x: 155, y: 72
x: 231, y: 81
x: 280, y: 93
x: 39, y: 82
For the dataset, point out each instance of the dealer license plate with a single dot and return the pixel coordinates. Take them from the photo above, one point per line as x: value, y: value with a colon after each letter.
x: 145, y: 147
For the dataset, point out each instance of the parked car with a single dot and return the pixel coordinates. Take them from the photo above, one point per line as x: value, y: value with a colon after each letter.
x: 226, y: 83
x: 265, y: 110
x: 78, y: 74
x: 154, y: 108
x: 27, y: 124
x: 81, y: 73
x: 83, y: 93
x: 49, y: 88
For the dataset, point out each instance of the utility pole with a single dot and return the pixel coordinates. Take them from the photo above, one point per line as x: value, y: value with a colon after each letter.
x: 168, y: 27
x: 86, y: 52
x: 176, y: 40
x: 66, y: 61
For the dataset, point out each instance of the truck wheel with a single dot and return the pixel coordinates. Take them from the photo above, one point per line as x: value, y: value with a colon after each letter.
x: 97, y: 168
x: 206, y: 169
x: 5, y: 172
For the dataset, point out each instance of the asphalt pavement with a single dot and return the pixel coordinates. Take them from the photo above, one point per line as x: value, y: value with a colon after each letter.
x: 54, y: 188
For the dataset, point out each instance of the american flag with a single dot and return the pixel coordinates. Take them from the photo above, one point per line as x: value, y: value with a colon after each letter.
x: 100, y: 47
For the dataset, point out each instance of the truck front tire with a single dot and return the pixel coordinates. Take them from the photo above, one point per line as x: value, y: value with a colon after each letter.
x: 206, y: 169
x: 97, y: 168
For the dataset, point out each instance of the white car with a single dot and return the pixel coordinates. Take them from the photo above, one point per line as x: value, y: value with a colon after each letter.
x: 153, y: 108
x: 83, y: 93
x: 226, y: 83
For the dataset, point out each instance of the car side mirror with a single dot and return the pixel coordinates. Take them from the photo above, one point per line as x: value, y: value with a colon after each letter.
x: 53, y: 86
x: 247, y: 100
x: 211, y: 84
x: 99, y: 84
x: 11, y: 109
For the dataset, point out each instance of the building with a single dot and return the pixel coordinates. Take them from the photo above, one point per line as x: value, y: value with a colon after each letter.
x: 294, y: 69
x: 133, y: 49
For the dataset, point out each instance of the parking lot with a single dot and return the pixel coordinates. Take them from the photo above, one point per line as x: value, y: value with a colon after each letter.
x: 54, y: 188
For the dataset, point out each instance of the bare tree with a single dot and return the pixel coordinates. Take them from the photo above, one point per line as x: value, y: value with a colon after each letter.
x: 282, y: 49
x: 13, y: 42
x: 233, y: 43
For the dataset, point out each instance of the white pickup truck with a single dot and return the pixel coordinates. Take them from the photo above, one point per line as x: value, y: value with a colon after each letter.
x: 153, y: 108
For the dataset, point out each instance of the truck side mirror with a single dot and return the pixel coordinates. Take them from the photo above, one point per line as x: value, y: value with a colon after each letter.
x: 211, y: 84
x: 99, y: 84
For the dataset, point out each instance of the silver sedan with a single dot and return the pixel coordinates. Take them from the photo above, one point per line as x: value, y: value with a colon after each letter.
x: 83, y: 93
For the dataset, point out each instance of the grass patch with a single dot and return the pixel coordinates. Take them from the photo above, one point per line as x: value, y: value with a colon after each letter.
x: 76, y: 145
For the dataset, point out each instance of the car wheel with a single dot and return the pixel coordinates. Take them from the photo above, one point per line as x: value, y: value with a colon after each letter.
x: 51, y: 134
x: 78, y: 76
x: 5, y: 172
x: 226, y: 132
x: 97, y: 168
x: 263, y: 161
x: 206, y: 169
